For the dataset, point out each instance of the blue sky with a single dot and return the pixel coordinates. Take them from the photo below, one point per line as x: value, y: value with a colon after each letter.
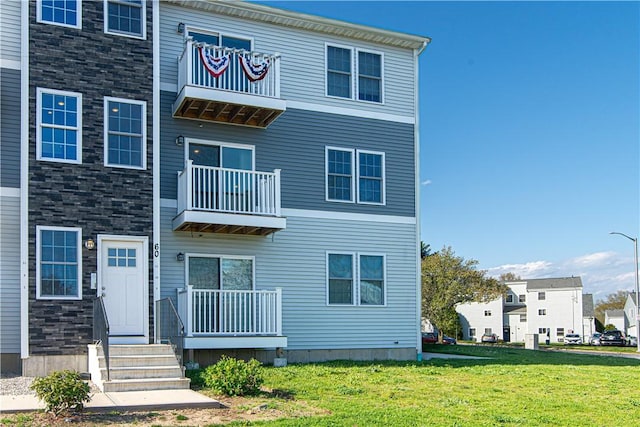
x: 530, y: 131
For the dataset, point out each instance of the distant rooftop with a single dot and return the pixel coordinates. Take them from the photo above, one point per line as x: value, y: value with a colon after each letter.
x: 588, y: 309
x: 554, y: 283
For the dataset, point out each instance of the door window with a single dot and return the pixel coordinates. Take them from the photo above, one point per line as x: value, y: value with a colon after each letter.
x: 221, y: 156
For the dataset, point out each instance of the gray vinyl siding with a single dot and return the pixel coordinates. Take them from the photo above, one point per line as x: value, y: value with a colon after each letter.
x: 9, y: 274
x: 296, y: 144
x: 10, y: 29
x: 302, y: 75
x: 10, y: 128
x: 295, y: 259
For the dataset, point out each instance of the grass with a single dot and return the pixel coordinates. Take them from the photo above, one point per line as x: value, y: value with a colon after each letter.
x: 511, y: 387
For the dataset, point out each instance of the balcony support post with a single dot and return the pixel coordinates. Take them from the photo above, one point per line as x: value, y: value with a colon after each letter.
x: 277, y: 192
x: 279, y: 312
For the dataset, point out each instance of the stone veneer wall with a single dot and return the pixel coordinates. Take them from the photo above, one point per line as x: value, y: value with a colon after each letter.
x: 96, y: 198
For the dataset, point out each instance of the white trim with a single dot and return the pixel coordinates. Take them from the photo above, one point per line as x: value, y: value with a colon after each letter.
x: 144, y: 240
x: 143, y: 21
x: 10, y: 64
x: 42, y: 21
x: 348, y: 216
x: 155, y: 129
x: 24, y: 181
x: 326, y: 173
x: 39, y: 125
x: 417, y: 187
x: 384, y: 278
x: 354, y: 295
x: 79, y: 261
x: 354, y: 90
x: 219, y: 257
x: 383, y: 184
x: 143, y: 141
x: 202, y: 217
x: 9, y: 192
x: 331, y: 109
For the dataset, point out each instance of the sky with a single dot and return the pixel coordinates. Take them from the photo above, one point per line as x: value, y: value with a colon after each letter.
x: 529, y: 131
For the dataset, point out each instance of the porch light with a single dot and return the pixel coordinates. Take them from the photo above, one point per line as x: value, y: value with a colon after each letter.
x: 181, y: 28
x: 180, y: 257
x: 180, y: 140
x: 90, y: 244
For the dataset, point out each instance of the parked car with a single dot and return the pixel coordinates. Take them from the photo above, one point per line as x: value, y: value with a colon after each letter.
x: 490, y: 338
x: 632, y: 341
x: 448, y: 340
x: 614, y: 337
x: 595, y: 339
x: 429, y: 338
x: 572, y: 339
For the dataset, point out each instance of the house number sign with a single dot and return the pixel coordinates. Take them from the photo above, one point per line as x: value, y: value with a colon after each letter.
x: 156, y: 250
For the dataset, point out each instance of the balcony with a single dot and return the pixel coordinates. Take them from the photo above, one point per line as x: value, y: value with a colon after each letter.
x: 232, y: 201
x: 226, y: 85
x: 231, y: 318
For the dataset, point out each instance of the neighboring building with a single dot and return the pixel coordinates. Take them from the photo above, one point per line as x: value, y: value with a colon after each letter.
x: 588, y: 316
x: 630, y: 314
x: 225, y: 156
x: 548, y: 307
x: 616, y: 318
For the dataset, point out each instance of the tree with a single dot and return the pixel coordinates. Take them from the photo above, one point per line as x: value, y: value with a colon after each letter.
x: 449, y: 280
x: 509, y: 277
x: 614, y: 301
x: 425, y: 250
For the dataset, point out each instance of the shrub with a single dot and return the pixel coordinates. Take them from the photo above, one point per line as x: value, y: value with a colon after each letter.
x: 62, y: 391
x: 234, y: 377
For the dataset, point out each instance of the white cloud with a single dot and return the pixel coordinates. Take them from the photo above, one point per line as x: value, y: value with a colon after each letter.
x: 595, y: 259
x: 426, y: 182
x: 529, y: 270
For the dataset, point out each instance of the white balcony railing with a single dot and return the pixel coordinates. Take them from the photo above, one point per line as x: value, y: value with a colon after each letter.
x: 192, y: 72
x: 212, y: 189
x: 230, y: 313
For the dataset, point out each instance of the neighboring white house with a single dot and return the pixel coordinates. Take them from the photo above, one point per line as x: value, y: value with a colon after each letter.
x: 549, y: 307
x: 616, y: 318
x: 630, y: 313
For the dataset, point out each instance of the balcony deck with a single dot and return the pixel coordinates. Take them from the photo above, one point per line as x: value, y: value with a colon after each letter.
x: 231, y: 201
x: 217, y: 84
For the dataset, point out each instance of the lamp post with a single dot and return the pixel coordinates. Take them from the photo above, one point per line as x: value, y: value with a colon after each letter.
x: 635, y: 260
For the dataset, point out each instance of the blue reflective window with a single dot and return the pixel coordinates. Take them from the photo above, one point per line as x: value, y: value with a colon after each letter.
x: 369, y: 77
x: 370, y: 178
x: 59, y: 263
x: 63, y: 12
x: 340, y: 271
x: 371, y: 280
x: 125, y: 134
x: 59, y: 126
x: 338, y: 72
x: 125, y: 16
x: 339, y: 175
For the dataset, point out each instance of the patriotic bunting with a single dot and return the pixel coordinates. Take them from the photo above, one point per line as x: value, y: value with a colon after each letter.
x: 254, y: 71
x: 215, y: 66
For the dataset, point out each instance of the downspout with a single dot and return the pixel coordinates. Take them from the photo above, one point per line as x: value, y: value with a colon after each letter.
x: 416, y: 133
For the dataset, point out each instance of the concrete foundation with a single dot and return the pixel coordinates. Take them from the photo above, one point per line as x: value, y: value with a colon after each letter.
x: 40, y: 366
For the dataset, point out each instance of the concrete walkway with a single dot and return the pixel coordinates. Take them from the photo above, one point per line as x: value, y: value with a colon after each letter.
x: 121, y: 401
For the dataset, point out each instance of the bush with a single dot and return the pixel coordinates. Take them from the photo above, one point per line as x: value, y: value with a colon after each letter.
x: 234, y: 377
x: 62, y: 391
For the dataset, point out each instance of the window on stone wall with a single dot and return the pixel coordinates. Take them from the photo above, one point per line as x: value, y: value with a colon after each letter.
x: 59, y: 126
x: 125, y: 18
x: 125, y: 133
x: 58, y: 266
x: 67, y: 13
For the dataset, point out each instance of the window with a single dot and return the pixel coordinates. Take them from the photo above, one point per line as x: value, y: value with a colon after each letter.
x: 342, y: 74
x: 121, y: 257
x: 560, y: 332
x: 523, y: 318
x: 367, y: 287
x: 369, y: 174
x: 125, y: 133
x: 215, y: 39
x: 487, y: 331
x: 58, y: 266
x: 487, y: 313
x: 542, y: 312
x: 67, y: 13
x: 220, y: 272
x: 59, y: 126
x: 125, y: 18
x: 508, y: 298
x: 472, y: 332
x: 521, y: 298
x: 543, y: 330
x: 542, y: 296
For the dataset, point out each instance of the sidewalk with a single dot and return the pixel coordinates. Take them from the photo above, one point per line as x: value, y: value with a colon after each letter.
x: 121, y: 401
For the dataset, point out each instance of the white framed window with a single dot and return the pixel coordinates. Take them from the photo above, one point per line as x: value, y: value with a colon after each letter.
x: 59, y: 126
x: 542, y: 312
x: 66, y: 13
x: 487, y: 313
x: 472, y: 332
x: 508, y: 298
x: 220, y: 154
x: 353, y: 73
x: 522, y: 298
x: 560, y: 332
x: 356, y: 279
x: 487, y: 331
x: 543, y: 330
x: 126, y: 18
x: 355, y: 175
x: 220, y: 272
x: 542, y: 296
x: 523, y: 318
x: 125, y: 133
x: 58, y: 263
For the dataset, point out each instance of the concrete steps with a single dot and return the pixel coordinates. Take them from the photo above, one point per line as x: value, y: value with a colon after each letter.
x: 136, y: 368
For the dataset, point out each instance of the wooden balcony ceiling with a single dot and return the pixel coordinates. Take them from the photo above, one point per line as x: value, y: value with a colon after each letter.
x: 252, y: 230
x: 225, y: 112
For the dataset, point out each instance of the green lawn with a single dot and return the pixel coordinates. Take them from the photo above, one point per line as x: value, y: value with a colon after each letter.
x: 512, y: 387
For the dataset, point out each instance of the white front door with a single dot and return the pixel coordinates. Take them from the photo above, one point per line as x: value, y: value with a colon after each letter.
x: 124, y: 285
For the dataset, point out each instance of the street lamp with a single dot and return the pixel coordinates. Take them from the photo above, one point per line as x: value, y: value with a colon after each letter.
x: 635, y: 259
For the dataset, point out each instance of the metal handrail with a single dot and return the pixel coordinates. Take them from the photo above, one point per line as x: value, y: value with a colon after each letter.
x: 170, y: 327
x: 101, y: 329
